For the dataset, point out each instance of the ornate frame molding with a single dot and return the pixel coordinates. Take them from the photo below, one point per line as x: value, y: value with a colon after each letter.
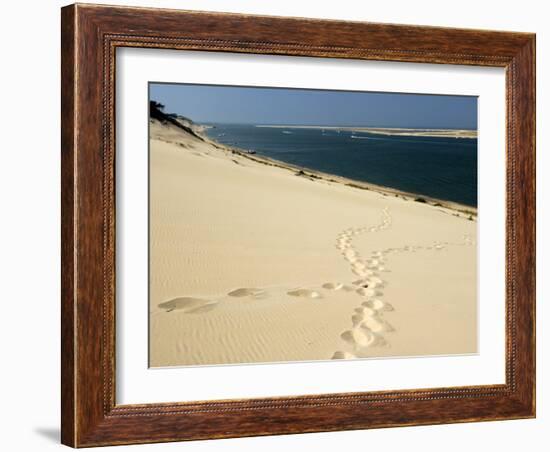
x: 90, y: 37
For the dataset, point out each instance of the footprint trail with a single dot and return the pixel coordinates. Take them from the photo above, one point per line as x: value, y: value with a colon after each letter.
x: 368, y: 326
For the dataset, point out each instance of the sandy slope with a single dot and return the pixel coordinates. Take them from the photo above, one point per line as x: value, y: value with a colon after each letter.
x: 253, y: 263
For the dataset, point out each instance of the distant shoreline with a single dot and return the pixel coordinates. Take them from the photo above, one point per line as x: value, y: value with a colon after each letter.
x: 460, y: 209
x: 391, y: 131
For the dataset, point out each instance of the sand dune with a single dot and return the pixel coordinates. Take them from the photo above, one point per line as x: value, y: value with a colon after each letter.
x: 251, y: 262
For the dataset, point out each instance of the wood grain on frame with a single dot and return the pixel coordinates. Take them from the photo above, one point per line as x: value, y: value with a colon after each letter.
x: 90, y: 36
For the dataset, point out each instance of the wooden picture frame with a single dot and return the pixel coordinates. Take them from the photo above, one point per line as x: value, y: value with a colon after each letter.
x: 90, y: 36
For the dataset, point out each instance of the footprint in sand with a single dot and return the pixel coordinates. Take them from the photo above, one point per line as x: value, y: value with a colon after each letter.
x: 350, y: 254
x: 373, y: 263
x: 188, y: 304
x: 343, y: 355
x: 247, y: 292
x: 365, y: 310
x: 378, y: 305
x: 363, y: 282
x: 371, y: 320
x: 356, y: 319
x: 361, y: 273
x: 304, y: 293
x: 374, y: 282
x: 368, y: 292
x: 376, y: 324
x: 333, y: 286
x: 359, y: 337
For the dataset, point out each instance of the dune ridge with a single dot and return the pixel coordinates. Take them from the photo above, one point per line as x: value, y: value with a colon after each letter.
x: 172, y: 133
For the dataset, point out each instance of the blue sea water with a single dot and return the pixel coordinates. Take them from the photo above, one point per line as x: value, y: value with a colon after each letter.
x: 437, y: 167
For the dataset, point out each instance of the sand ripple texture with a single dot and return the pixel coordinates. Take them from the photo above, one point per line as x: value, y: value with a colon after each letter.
x: 370, y: 321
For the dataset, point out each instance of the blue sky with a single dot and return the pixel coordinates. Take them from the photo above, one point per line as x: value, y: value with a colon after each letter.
x: 250, y: 105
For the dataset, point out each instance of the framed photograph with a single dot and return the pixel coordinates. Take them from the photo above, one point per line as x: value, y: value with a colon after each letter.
x: 282, y: 225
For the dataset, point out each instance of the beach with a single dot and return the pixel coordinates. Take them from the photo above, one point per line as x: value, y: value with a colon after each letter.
x: 390, y: 131
x: 255, y: 261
